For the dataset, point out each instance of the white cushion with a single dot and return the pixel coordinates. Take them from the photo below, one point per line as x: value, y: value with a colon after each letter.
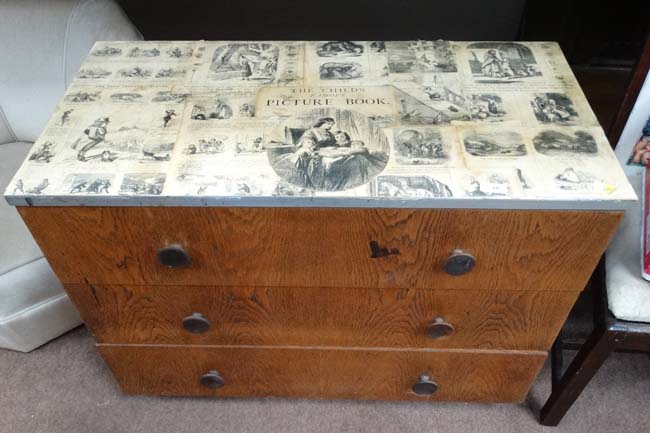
x: 42, y: 45
x: 33, y: 306
x: 18, y: 246
x: 627, y: 292
x: 17, y: 287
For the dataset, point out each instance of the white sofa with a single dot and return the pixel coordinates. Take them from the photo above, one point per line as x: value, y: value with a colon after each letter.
x: 42, y: 45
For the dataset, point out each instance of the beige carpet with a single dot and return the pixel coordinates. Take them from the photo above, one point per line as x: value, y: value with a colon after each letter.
x: 65, y: 387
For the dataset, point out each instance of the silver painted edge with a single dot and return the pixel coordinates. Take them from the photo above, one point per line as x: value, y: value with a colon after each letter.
x: 329, y: 202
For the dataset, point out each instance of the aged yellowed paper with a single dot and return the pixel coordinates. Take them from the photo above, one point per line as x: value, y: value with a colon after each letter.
x: 344, y: 123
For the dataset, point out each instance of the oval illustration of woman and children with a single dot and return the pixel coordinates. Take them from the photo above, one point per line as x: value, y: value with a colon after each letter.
x: 329, y: 150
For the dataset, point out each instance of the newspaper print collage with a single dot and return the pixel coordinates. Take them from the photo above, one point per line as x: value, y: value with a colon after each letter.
x: 382, y: 120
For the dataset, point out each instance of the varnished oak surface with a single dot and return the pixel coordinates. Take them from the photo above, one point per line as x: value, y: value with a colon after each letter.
x: 323, y: 373
x: 311, y: 247
x: 323, y: 316
x: 299, y: 308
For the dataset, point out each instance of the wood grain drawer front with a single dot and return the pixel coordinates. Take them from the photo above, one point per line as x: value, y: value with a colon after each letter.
x: 323, y: 316
x: 298, y: 247
x: 323, y: 373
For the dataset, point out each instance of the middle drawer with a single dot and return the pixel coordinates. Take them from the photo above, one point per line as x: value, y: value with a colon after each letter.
x: 408, y: 318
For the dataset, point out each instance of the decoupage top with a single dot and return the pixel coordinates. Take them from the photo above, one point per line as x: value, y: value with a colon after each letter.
x: 331, y: 123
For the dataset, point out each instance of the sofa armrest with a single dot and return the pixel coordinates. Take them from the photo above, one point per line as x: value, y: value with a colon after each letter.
x: 89, y: 22
x: 44, y: 43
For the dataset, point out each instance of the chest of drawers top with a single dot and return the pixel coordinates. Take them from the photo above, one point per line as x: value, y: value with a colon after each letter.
x: 420, y: 124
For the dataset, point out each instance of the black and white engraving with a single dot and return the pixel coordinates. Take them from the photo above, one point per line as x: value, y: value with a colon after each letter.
x: 85, y: 183
x: 491, y: 184
x: 96, y: 73
x: 247, y: 110
x: 93, y: 136
x: 250, y: 144
x: 339, y: 48
x: 144, y: 52
x: 179, y: 53
x: 286, y: 189
x: 135, y: 72
x: 170, y: 96
x: 126, y: 97
x: 495, y: 144
x: 411, y: 187
x: 158, y: 151
x: 420, y: 147
x: 101, y: 143
x: 220, y: 185
x: 240, y: 186
x: 554, y: 108
x: 502, y: 62
x: 571, y: 179
x: 485, y: 107
x: 210, y: 146
x: 245, y: 61
x: 329, y: 150
x: 323, y: 123
x: 170, y: 73
x: 167, y: 118
x: 44, y: 153
x: 37, y: 188
x: 419, y: 57
x: 218, y: 110
x: 82, y: 96
x: 340, y: 71
x: 18, y: 188
x: 432, y: 105
x: 143, y: 183
x: 524, y: 180
x: 65, y: 116
x: 377, y: 46
x: 556, y: 143
x: 107, y: 52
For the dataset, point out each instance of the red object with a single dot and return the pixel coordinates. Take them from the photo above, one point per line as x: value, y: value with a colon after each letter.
x: 645, y: 240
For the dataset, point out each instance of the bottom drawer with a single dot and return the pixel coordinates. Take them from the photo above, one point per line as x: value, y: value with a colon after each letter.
x: 379, y: 374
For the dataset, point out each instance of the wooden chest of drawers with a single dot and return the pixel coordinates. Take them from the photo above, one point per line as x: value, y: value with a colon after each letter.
x: 348, y: 325
x: 354, y: 219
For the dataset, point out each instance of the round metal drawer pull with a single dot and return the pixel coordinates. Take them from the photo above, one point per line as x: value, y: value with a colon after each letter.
x: 196, y: 323
x: 459, y: 263
x: 439, y: 328
x: 425, y: 386
x: 173, y: 256
x: 212, y: 379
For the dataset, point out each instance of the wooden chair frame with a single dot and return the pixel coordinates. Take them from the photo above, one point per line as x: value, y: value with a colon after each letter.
x: 610, y: 334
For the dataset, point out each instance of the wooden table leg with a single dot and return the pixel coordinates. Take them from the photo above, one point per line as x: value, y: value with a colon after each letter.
x: 585, y: 365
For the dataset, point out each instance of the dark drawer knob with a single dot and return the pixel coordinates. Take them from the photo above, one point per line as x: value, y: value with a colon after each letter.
x: 439, y: 328
x: 212, y: 379
x: 196, y: 323
x: 173, y: 256
x: 459, y: 263
x: 425, y: 386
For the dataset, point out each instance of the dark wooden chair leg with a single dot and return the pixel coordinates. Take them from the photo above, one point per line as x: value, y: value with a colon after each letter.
x: 585, y: 365
x: 557, y: 361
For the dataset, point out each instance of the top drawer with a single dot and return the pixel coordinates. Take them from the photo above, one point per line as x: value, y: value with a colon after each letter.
x: 316, y: 247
